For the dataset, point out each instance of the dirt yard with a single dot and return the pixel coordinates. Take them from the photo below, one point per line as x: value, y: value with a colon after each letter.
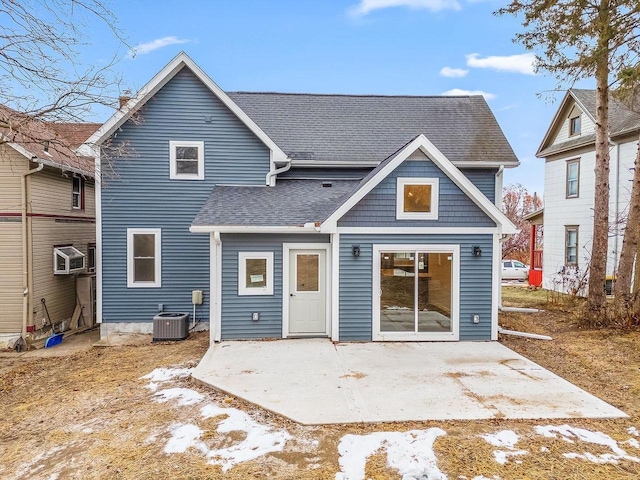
x: 92, y: 415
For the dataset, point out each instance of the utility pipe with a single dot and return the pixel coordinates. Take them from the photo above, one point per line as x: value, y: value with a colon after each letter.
x: 25, y: 250
x: 523, y: 334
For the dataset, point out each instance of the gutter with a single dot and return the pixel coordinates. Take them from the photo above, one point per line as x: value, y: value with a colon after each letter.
x: 25, y: 251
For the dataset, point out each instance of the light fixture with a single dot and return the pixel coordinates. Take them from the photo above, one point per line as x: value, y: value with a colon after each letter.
x: 355, y: 249
x: 477, y: 251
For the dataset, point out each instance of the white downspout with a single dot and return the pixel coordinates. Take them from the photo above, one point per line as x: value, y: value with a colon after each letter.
x: 25, y: 250
x: 215, y: 313
x: 270, y: 178
x: 499, y: 184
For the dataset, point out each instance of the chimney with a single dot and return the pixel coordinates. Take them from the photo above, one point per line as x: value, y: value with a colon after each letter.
x: 124, y: 98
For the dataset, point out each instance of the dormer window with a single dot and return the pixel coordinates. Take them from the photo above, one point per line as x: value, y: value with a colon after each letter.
x: 417, y: 199
x: 574, y: 125
x: 187, y: 160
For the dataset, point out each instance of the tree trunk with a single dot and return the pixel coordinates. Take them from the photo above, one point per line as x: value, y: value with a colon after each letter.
x: 622, y: 288
x: 598, y: 263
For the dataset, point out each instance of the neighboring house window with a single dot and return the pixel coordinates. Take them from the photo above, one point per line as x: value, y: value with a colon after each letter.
x: 144, y: 248
x: 417, y: 199
x: 571, y: 245
x: 187, y: 160
x: 255, y: 273
x: 574, y: 125
x: 573, y: 178
x: 67, y: 259
x: 77, y: 192
x: 91, y: 257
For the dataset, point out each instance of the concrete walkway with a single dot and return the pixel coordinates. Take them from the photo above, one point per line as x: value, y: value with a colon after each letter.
x: 317, y: 382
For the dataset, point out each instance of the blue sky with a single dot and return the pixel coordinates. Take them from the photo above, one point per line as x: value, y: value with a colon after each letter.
x: 394, y: 47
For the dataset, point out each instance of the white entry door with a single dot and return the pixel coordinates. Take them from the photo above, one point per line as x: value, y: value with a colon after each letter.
x: 307, y: 292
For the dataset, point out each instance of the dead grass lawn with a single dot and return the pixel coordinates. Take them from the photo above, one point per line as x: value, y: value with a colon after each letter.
x: 89, y: 416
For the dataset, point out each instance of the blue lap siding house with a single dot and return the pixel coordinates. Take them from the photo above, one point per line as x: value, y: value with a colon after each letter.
x: 356, y: 218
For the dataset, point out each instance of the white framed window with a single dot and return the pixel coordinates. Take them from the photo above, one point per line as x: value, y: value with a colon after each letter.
x: 571, y: 245
x: 187, y: 160
x: 144, y: 257
x: 417, y: 198
x: 255, y: 273
x: 574, y: 125
x: 91, y: 257
x: 573, y: 179
x: 67, y: 259
x: 77, y: 192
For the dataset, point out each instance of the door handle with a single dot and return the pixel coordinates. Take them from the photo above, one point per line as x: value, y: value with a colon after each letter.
x: 291, y: 295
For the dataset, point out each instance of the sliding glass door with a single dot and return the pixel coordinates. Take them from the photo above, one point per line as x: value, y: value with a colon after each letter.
x: 416, y: 287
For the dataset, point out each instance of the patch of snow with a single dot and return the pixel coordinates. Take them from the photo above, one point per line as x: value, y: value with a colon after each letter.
x: 504, y: 438
x: 633, y: 431
x: 153, y: 386
x: 633, y: 442
x: 411, y: 453
x: 185, y: 396
x: 166, y: 374
x: 32, y: 466
x: 54, y: 476
x: 567, y: 433
x: 502, y: 456
x: 544, y: 449
x: 482, y: 477
x: 183, y: 437
x: 260, y: 439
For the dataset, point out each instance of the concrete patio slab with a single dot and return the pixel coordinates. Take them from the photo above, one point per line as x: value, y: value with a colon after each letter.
x: 313, y: 381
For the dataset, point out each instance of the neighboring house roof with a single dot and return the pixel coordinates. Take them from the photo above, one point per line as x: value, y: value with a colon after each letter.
x: 291, y: 203
x: 536, y: 217
x: 51, y: 143
x: 622, y: 121
x: 366, y: 129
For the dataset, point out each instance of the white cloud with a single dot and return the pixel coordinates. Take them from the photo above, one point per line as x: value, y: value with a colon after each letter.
x: 523, y: 63
x: 367, y: 6
x: 148, y: 47
x: 453, y: 72
x: 456, y: 92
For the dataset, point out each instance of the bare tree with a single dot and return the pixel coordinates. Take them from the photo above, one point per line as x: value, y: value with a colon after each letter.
x: 516, y: 203
x: 585, y: 39
x: 42, y: 76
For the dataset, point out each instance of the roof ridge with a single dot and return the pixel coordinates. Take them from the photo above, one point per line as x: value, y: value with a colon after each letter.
x: 359, y: 95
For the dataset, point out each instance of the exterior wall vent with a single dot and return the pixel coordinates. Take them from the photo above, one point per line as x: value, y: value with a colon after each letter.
x: 170, y: 326
x: 327, y: 184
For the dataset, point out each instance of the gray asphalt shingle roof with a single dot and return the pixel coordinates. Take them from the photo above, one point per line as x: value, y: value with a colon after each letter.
x: 621, y: 118
x: 289, y: 203
x: 365, y: 128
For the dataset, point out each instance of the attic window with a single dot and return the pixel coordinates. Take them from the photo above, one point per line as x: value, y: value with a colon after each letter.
x: 187, y: 160
x: 574, y: 125
x: 417, y: 199
x: 67, y: 260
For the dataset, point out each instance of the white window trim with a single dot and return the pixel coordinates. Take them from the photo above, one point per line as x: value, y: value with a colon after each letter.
x: 157, y: 283
x: 454, y: 335
x: 242, y: 273
x: 173, y: 174
x: 401, y: 214
x: 79, y: 192
x: 67, y: 260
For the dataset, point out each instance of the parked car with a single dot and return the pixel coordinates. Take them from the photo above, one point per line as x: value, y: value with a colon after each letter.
x: 514, y: 270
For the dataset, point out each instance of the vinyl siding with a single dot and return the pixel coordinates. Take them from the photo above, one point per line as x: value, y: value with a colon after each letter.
x: 326, y: 173
x: 12, y: 165
x: 484, y: 179
x: 356, y: 276
x: 378, y: 207
x: 143, y: 196
x: 11, y: 278
x: 237, y: 309
x: 51, y: 192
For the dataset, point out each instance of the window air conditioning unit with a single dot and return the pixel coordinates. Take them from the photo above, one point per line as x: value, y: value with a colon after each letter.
x: 67, y: 260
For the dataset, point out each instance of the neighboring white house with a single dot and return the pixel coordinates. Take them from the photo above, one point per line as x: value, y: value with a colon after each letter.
x: 569, y: 184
